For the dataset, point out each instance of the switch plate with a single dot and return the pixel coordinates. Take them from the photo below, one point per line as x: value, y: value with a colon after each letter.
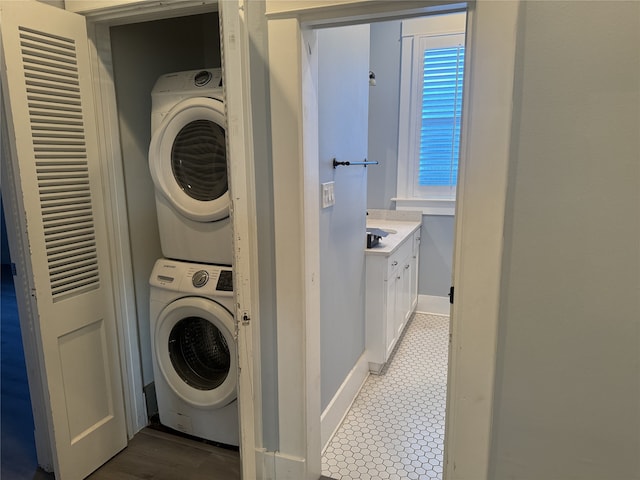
x: 328, y: 198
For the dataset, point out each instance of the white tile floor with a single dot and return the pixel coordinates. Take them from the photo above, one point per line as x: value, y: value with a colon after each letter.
x: 395, y: 428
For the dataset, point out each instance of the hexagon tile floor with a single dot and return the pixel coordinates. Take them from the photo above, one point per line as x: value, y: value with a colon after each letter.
x: 395, y: 428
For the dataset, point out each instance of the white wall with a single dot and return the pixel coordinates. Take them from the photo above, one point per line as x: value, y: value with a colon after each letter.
x: 436, y: 248
x: 567, y: 402
x: 141, y: 53
x: 343, y: 89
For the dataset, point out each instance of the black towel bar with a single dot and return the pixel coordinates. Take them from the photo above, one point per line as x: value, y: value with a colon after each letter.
x: 347, y: 164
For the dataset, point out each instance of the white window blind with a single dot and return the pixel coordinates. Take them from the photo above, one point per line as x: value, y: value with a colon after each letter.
x: 431, y: 93
x: 439, y: 148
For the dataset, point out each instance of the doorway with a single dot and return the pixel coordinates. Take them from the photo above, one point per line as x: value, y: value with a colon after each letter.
x: 141, y: 53
x: 391, y: 418
x: 474, y: 321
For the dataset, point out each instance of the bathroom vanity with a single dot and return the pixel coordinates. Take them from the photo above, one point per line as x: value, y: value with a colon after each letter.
x: 391, y: 281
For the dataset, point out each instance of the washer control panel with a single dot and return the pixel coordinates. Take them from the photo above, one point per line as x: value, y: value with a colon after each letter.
x: 225, y: 281
x: 197, y: 278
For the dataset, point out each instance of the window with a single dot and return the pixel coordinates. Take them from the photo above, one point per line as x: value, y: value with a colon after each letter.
x: 441, y: 109
x: 430, y: 113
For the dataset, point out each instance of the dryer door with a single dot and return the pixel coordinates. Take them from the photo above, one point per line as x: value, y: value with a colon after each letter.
x: 188, y: 159
x: 196, y: 351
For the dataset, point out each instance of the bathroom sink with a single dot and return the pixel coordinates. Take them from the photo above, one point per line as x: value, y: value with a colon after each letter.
x: 375, y: 234
x: 389, y: 230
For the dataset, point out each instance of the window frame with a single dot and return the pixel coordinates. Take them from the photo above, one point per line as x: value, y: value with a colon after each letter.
x: 418, y: 35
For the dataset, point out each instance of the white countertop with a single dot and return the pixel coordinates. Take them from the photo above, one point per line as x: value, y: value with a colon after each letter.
x: 390, y: 243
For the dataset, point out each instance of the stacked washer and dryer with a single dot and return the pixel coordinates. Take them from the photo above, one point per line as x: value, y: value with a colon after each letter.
x: 191, y: 288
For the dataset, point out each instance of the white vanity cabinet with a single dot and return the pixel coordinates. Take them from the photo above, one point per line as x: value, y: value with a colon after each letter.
x: 391, y: 294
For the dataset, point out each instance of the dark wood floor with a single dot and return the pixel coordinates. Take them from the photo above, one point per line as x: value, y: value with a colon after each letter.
x: 153, y: 454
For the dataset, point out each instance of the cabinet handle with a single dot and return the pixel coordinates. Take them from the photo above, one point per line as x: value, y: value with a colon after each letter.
x: 394, y: 263
x: 398, y: 277
x: 406, y: 266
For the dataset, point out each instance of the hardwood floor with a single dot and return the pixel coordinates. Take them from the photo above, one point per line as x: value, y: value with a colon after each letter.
x: 157, y: 455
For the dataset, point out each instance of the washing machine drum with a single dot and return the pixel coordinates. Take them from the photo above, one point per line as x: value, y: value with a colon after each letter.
x: 196, y: 351
x: 188, y: 159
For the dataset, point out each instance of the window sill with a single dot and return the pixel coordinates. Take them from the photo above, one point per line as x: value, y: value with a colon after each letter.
x: 427, y: 206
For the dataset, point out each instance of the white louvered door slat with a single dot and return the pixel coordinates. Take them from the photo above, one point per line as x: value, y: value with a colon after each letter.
x: 47, y: 90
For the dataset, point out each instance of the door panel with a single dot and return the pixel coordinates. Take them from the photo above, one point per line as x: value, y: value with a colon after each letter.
x: 50, y: 118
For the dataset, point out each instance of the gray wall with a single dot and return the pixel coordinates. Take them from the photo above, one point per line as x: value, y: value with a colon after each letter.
x: 384, y: 105
x: 343, y: 68
x: 141, y: 53
x: 567, y: 398
x: 436, y: 249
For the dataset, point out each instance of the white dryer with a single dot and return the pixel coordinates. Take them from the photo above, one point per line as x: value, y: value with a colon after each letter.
x: 194, y: 349
x: 188, y: 164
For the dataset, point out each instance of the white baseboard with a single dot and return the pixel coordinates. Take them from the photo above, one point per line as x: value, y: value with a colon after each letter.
x: 265, y: 464
x: 434, y: 305
x: 277, y: 465
x: 341, y: 402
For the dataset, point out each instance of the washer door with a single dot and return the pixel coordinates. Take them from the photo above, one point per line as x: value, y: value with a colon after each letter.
x: 196, y: 351
x: 188, y: 159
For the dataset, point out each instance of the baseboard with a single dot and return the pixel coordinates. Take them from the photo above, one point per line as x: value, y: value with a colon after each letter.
x: 433, y: 304
x: 276, y: 465
x: 341, y: 402
x: 265, y: 464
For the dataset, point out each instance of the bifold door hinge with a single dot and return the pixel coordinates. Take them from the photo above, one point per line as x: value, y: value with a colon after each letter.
x: 451, y: 295
x: 246, y: 318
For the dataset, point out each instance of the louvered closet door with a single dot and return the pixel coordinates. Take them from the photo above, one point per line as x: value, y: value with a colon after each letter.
x: 51, y: 122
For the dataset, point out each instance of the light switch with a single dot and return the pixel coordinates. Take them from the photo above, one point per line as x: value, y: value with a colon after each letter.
x: 328, y: 198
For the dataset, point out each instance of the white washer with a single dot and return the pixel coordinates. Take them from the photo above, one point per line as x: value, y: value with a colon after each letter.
x: 188, y: 164
x: 194, y: 349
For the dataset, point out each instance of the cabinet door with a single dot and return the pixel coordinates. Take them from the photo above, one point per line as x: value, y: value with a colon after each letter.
x: 407, y: 294
x: 415, y: 266
x: 403, y: 295
x: 393, y: 302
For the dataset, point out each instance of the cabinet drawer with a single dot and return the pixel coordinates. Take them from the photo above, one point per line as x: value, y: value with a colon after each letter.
x: 397, y: 258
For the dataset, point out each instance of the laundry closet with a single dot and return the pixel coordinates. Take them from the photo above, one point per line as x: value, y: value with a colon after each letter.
x: 141, y: 53
x: 88, y: 199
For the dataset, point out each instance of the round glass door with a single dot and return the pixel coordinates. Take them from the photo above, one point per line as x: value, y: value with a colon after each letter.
x: 196, y: 352
x: 199, y: 160
x: 188, y: 159
x: 199, y: 353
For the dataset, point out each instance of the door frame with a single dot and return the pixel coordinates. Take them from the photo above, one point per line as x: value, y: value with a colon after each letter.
x: 100, y: 16
x: 478, y: 246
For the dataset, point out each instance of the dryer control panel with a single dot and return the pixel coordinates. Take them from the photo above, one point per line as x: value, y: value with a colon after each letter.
x: 185, y: 277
